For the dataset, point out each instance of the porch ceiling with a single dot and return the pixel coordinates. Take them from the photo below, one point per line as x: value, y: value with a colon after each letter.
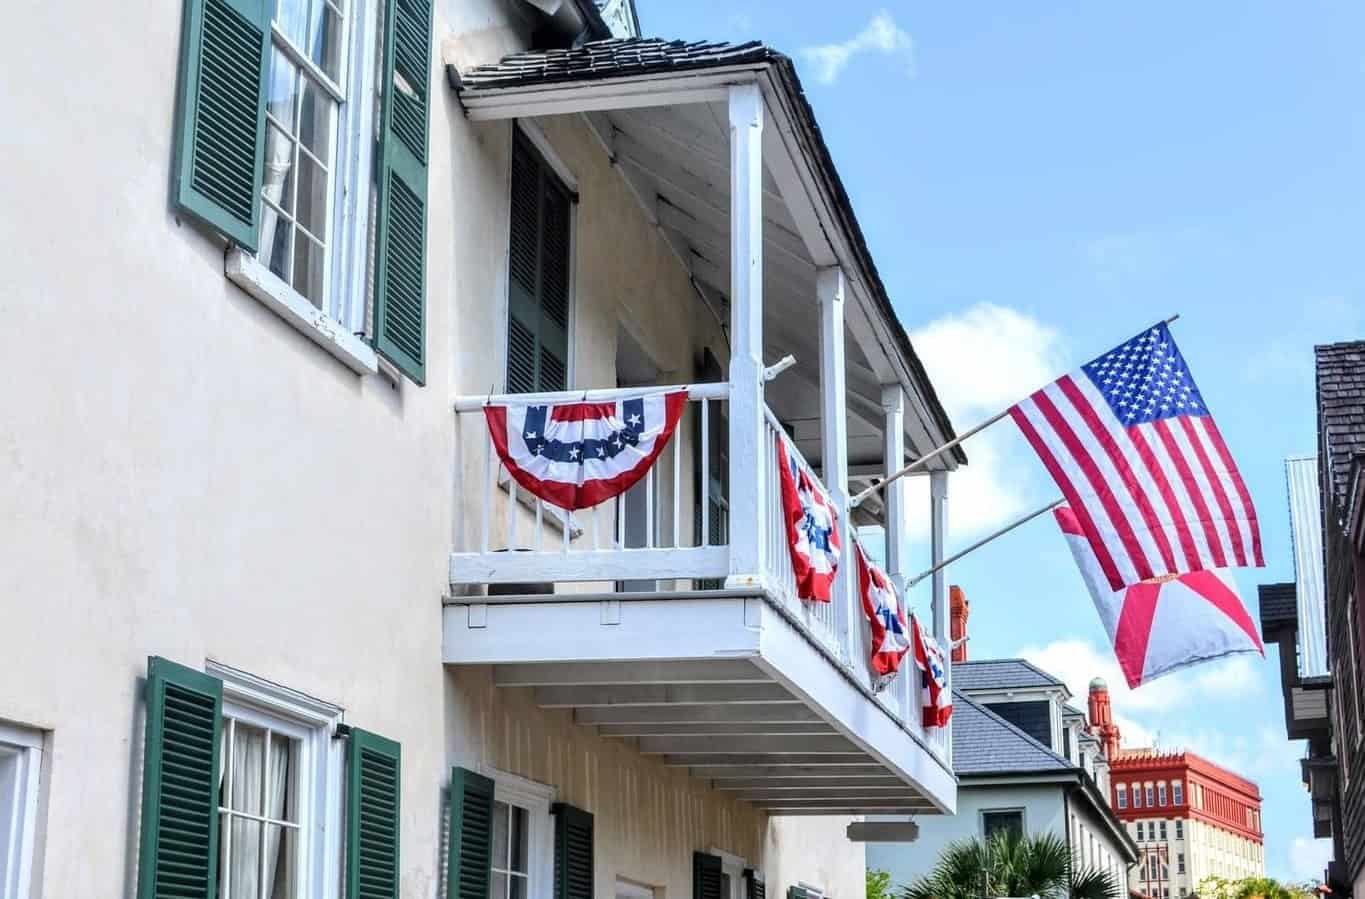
x: 659, y: 109
x: 730, y: 724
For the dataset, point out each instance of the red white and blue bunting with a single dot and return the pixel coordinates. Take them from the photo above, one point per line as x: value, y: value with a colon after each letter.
x: 886, y: 619
x: 812, y: 528
x: 936, y: 703
x: 577, y: 455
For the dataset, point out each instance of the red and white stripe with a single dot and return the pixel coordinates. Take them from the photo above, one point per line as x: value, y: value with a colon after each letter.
x: 1158, y: 498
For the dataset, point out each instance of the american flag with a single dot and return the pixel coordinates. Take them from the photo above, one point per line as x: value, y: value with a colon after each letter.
x: 1132, y: 446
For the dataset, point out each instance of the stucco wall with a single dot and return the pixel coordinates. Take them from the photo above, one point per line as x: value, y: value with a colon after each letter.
x: 815, y: 851
x: 186, y: 475
x: 1043, y: 812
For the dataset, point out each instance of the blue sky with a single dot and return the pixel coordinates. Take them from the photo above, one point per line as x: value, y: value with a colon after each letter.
x: 1038, y: 182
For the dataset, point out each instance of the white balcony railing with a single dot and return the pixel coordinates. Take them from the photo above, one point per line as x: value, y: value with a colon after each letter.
x: 649, y: 540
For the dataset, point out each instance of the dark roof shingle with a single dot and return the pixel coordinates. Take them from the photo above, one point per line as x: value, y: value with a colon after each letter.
x: 1001, y: 674
x: 1279, y: 606
x: 985, y: 743
x: 1341, y: 414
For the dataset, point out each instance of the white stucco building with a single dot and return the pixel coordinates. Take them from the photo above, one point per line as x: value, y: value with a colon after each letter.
x: 268, y: 259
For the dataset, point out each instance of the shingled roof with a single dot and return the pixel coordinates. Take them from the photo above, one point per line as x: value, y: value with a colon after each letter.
x: 1279, y: 606
x: 1341, y: 413
x: 1001, y: 674
x: 630, y: 57
x: 985, y: 743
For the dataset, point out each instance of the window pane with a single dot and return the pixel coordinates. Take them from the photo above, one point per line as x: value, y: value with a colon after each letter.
x: 498, y: 887
x: 315, y: 121
x: 280, y: 864
x: 278, y: 177
x: 499, y: 837
x: 283, y: 90
x: 239, y: 877
x: 518, y: 887
x: 311, y: 210
x: 324, y: 46
x: 248, y: 769
x: 519, y: 839
x: 292, y: 18
x: 309, y: 259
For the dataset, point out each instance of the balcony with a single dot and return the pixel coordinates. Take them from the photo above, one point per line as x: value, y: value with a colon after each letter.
x: 668, y: 617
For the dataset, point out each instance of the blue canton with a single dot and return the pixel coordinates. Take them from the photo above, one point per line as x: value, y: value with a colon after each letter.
x: 1146, y: 379
x: 817, y: 534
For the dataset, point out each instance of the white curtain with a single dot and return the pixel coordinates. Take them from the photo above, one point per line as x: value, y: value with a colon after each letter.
x: 245, y: 875
x: 279, y: 159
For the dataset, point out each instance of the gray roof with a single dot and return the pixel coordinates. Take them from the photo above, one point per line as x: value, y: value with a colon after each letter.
x: 1070, y: 711
x: 985, y: 743
x: 626, y: 57
x: 1341, y: 414
x: 1001, y: 674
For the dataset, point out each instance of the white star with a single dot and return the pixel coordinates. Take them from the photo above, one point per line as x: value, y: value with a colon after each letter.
x: 601, y: 452
x: 634, y: 419
x: 573, y: 453
x: 530, y: 435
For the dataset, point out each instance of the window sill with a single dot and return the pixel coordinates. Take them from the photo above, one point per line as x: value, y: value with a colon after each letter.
x: 247, y: 272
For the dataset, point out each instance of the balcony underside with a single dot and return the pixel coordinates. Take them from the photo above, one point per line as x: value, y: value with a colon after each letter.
x: 723, y: 684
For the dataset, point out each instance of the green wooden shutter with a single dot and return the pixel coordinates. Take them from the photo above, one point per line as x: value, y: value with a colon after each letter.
x: 373, y: 784
x: 539, y: 266
x: 401, y: 229
x: 220, y: 115
x: 795, y: 892
x: 178, y: 855
x: 573, y: 852
x: 706, y: 876
x: 471, y: 835
x: 754, y: 887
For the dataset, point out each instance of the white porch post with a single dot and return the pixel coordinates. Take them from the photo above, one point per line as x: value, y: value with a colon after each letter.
x: 938, y: 524
x: 748, y: 466
x: 834, y: 437
x: 893, y: 457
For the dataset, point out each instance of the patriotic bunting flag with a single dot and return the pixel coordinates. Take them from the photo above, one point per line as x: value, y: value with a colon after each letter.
x: 576, y: 455
x: 885, y: 618
x: 936, y: 703
x: 812, y: 528
x: 1168, y: 622
x: 1152, y: 486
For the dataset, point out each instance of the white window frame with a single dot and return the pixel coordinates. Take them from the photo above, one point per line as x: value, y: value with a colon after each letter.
x: 1122, y: 793
x: 1161, y: 794
x: 1149, y: 795
x: 321, y: 758
x: 22, y: 748
x: 1177, y: 792
x: 536, y: 798
x: 1019, y: 810
x: 339, y: 327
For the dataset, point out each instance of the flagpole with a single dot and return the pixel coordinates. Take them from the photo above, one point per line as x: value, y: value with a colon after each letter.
x: 934, y: 453
x: 983, y: 541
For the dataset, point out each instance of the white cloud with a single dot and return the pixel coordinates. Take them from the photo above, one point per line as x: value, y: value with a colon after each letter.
x: 1076, y: 661
x: 1308, y: 858
x: 880, y: 35
x: 981, y: 361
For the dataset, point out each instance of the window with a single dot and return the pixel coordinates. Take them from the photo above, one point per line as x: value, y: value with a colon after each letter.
x: 1179, y: 829
x: 1123, y: 795
x: 523, y: 844
x: 1001, y: 821
x: 21, y: 755
x: 539, y: 263
x: 1177, y: 792
x: 279, y: 802
x: 1161, y: 793
x: 1180, y: 863
x: 1150, y: 804
x: 1163, y: 830
x: 1137, y: 795
x: 1139, y: 831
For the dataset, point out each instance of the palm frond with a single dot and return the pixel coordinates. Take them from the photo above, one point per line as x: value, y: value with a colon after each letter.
x: 1095, y: 883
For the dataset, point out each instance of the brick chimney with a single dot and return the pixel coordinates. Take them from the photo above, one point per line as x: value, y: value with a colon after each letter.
x: 959, y: 609
x: 1102, y: 718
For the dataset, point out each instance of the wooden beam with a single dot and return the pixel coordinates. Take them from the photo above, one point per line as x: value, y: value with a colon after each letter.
x: 845, y: 812
x: 482, y: 104
x: 721, y: 774
x: 791, y: 784
x: 661, y: 694
x: 700, y: 671
x: 753, y: 760
x: 757, y: 745
x: 834, y: 432
x: 721, y: 728
x: 835, y: 795
x: 784, y: 713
